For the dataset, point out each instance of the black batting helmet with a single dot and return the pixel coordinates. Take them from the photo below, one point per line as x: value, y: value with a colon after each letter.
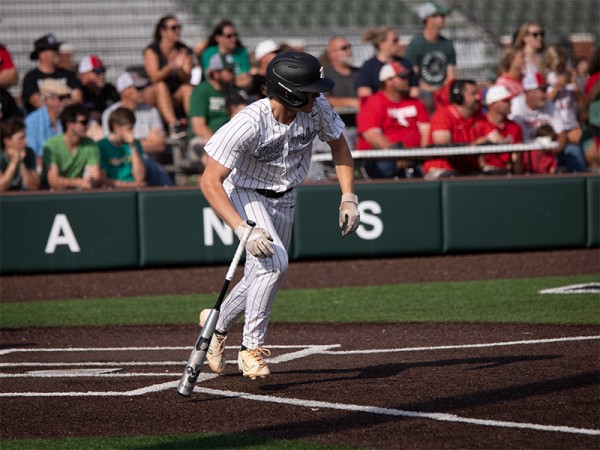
x: 291, y: 75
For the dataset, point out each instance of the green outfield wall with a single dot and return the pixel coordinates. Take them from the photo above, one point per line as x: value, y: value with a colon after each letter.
x: 67, y: 232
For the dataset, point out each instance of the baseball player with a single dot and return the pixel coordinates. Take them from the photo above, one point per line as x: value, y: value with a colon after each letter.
x: 255, y: 163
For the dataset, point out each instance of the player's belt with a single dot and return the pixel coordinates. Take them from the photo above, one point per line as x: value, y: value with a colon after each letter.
x: 272, y: 194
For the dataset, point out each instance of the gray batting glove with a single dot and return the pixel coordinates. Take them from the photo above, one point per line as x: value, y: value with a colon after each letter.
x: 349, y: 215
x: 259, y: 242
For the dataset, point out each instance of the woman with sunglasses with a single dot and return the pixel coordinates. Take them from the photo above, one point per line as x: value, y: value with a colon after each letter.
x: 225, y: 40
x: 530, y: 38
x: 168, y: 64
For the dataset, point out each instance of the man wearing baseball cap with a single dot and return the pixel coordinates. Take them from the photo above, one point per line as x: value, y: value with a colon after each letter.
x: 264, y: 52
x: 46, y: 53
x: 207, y: 105
x: 391, y: 118
x: 432, y: 55
x: 97, y: 93
x: 531, y: 111
x: 43, y: 123
x: 496, y: 128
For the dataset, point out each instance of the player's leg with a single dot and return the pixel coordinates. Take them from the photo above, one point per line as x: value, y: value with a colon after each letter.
x: 264, y: 272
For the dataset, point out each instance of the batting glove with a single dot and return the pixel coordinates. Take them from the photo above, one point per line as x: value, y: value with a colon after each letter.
x: 259, y: 242
x: 349, y: 215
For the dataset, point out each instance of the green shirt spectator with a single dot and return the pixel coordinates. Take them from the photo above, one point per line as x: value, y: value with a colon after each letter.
x: 71, y: 159
x: 115, y: 160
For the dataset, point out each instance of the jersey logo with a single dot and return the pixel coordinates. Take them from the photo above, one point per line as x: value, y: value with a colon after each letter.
x: 300, y: 141
x: 270, y: 152
x: 401, y: 114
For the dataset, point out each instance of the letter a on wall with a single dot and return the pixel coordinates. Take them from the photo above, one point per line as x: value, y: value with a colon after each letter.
x: 62, y: 234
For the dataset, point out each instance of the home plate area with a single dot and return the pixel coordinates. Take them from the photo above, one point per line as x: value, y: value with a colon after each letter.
x: 509, y: 384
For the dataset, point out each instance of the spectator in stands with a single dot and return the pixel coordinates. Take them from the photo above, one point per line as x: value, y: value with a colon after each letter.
x: 432, y: 55
x: 497, y: 128
x: 168, y: 64
x: 511, y: 71
x: 563, y: 90
x: 337, y: 65
x: 590, y: 113
x: 44, y: 122
x: 17, y: 161
x: 8, y: 72
x: 582, y: 72
x: 385, y: 41
x: 148, y: 127
x: 235, y: 101
x: 208, y: 112
x: 46, y: 53
x: 65, y: 57
x: 391, y: 118
x: 97, y: 93
x: 8, y: 77
x: 533, y: 110
x: 530, y: 38
x: 71, y: 159
x: 264, y: 52
x: 225, y: 40
x: 121, y: 155
x: 455, y: 124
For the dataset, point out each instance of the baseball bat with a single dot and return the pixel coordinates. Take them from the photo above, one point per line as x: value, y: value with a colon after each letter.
x: 198, y: 355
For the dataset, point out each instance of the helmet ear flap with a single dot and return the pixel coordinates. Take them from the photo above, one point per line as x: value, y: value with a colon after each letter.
x: 290, y: 97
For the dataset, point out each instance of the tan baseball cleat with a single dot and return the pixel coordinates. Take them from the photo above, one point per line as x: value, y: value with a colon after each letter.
x: 252, y: 364
x: 214, y: 355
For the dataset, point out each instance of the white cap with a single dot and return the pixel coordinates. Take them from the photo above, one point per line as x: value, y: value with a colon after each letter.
x: 265, y: 47
x: 497, y: 93
x: 128, y: 79
x: 431, y: 9
x: 392, y: 69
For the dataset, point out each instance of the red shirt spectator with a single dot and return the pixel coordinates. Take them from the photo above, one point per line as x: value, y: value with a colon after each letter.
x: 397, y: 120
x: 455, y: 124
x: 496, y: 128
x: 8, y: 71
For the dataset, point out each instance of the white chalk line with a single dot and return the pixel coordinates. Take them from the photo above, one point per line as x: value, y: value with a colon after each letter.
x: 465, y: 346
x: 307, y: 403
x: 142, y: 391
x: 6, y: 351
x: 398, y: 412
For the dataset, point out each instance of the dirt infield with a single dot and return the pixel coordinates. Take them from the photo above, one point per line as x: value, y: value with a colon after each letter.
x: 369, y: 385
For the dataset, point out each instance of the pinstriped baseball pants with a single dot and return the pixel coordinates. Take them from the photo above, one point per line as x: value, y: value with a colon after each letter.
x: 253, y: 296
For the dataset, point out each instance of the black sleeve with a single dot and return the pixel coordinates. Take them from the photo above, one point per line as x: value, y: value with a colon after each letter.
x: 30, y: 87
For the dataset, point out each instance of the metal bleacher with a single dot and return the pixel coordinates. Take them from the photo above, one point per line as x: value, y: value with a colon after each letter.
x: 115, y: 30
x: 118, y: 30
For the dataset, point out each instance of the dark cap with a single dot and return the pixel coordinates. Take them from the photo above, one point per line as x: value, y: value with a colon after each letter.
x: 47, y: 42
x: 236, y: 97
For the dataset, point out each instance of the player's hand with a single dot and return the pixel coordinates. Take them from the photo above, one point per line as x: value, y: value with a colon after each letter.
x: 259, y: 242
x: 349, y: 215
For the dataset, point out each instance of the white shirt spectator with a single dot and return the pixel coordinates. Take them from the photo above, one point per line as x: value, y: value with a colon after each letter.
x: 531, y: 119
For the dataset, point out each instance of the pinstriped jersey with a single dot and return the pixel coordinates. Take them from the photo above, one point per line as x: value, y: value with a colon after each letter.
x: 263, y: 153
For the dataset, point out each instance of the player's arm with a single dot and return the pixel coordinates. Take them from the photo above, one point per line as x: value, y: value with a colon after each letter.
x: 211, y: 185
x: 343, y: 162
x: 349, y: 217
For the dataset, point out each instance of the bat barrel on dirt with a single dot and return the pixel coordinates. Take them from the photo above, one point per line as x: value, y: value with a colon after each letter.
x: 198, y: 355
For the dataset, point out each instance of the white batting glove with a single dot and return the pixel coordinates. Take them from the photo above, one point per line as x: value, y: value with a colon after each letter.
x: 259, y: 242
x: 349, y: 215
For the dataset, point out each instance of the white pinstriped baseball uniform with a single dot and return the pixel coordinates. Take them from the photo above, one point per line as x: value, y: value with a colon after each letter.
x: 263, y: 153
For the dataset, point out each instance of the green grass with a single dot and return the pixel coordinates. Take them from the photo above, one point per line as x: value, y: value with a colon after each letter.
x: 182, y: 442
x: 515, y: 300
